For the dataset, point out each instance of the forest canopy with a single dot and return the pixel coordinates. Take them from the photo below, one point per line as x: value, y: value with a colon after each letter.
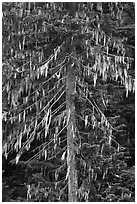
x: 68, y: 91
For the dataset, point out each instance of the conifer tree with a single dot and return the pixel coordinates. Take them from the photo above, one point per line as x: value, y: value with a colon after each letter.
x: 56, y: 56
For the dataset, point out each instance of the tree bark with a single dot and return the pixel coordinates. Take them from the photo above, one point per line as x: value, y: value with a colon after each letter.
x: 71, y: 129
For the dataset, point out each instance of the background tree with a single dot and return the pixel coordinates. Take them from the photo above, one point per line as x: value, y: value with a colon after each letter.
x: 61, y: 67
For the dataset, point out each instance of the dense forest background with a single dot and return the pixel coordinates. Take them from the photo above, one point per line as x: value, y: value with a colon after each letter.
x: 68, y: 101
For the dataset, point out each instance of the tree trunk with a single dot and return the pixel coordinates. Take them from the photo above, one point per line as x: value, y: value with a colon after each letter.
x: 71, y: 129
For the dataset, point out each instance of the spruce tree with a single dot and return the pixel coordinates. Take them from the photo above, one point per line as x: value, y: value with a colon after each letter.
x: 56, y: 58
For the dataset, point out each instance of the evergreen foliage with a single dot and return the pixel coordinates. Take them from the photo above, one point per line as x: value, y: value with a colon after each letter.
x: 41, y: 43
